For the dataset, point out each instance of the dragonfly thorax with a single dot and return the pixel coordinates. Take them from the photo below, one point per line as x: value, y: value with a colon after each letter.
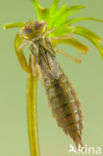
x: 33, y: 29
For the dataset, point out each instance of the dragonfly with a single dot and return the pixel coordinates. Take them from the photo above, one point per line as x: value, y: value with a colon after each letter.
x: 53, y: 27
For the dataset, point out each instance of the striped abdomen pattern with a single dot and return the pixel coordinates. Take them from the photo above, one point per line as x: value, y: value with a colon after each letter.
x: 65, y: 106
x: 64, y: 103
x: 61, y: 95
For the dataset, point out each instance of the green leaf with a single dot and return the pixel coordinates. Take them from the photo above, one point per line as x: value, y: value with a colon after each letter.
x: 54, y: 15
x: 86, y: 32
x: 42, y: 13
x: 20, y: 55
x: 18, y: 41
x: 73, y: 42
x: 95, y: 39
x: 37, y: 7
x: 63, y: 13
x: 52, y: 11
x: 62, y: 31
x: 71, y: 21
x: 74, y: 8
x: 99, y: 47
x: 13, y: 25
x: 54, y: 6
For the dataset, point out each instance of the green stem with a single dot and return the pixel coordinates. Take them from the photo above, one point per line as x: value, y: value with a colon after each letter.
x: 32, y: 114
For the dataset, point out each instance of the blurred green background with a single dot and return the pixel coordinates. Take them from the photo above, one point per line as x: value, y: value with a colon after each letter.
x: 87, y: 79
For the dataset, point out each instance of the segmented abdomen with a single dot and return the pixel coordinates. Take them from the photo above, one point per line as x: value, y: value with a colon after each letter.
x: 62, y: 97
x: 65, y: 106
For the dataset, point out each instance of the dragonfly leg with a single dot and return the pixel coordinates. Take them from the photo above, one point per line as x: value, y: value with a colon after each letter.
x: 78, y: 60
x: 24, y: 43
x: 35, y: 52
x: 48, y: 49
x: 50, y: 31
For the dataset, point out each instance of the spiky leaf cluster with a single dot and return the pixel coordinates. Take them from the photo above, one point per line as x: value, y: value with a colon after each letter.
x: 61, y: 19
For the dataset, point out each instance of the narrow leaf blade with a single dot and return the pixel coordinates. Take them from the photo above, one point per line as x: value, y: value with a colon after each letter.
x: 13, y: 25
x: 63, y: 31
x: 93, y: 38
x: 72, y: 21
x: 39, y: 10
x: 63, y: 13
x: 54, y: 6
x: 87, y: 32
x: 20, y: 54
x: 73, y: 42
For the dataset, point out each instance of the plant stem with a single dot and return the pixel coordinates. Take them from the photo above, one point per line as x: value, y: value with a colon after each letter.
x: 32, y: 114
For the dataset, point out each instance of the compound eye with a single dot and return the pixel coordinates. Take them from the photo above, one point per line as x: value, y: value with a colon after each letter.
x: 27, y: 31
x: 38, y: 26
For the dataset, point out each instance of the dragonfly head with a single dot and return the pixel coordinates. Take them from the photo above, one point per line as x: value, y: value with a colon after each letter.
x: 32, y: 29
